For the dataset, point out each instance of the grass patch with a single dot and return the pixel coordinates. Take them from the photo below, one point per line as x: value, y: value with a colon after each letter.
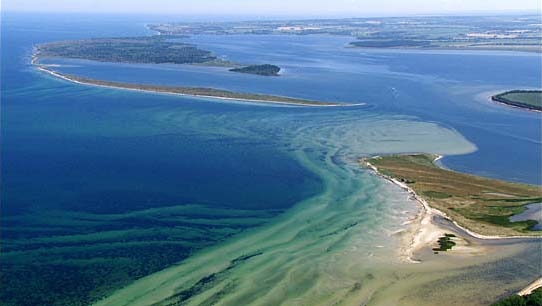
x: 436, y: 194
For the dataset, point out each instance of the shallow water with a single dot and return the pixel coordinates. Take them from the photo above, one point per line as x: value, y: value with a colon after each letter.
x: 533, y: 212
x: 101, y: 187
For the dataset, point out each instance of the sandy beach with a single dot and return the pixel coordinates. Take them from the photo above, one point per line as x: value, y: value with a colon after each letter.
x: 532, y: 287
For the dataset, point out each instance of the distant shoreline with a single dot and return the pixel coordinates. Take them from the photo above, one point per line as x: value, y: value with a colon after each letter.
x: 200, y: 92
x: 445, y: 48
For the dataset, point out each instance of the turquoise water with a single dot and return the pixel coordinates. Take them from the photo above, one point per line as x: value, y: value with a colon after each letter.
x: 101, y: 187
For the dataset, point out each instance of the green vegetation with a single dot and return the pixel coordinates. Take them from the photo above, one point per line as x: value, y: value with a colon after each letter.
x: 533, y: 299
x: 481, y: 204
x: 445, y: 243
x: 531, y: 99
x: 198, y: 91
x: 152, y: 49
x: 265, y: 70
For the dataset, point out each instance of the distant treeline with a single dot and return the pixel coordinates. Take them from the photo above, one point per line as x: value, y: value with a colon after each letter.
x: 392, y: 43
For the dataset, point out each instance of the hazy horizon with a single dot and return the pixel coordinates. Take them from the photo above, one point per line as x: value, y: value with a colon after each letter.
x: 294, y: 8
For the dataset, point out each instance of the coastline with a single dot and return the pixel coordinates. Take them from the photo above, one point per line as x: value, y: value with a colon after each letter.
x: 424, y: 230
x: 266, y: 99
x: 493, y: 97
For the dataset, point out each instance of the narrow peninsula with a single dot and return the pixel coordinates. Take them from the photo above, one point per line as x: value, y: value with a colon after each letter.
x: 480, y: 205
x: 192, y: 91
x: 529, y: 99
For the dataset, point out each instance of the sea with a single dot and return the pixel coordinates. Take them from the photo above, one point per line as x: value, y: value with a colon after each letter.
x: 124, y: 197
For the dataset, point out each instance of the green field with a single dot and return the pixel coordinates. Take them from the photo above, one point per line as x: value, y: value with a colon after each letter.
x: 531, y: 99
x: 480, y: 204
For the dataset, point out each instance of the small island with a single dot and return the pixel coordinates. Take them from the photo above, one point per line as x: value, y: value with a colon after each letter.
x: 265, y: 70
x: 529, y: 99
x: 481, y: 205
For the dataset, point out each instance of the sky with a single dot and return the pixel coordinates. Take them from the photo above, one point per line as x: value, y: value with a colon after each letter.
x: 274, y: 7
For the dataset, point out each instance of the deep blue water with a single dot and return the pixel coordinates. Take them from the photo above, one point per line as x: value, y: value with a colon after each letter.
x: 172, y: 175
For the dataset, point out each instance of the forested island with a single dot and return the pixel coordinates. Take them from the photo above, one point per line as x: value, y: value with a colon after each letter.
x: 265, y: 70
x: 158, y: 49
x: 529, y: 99
x: 479, y: 204
x: 151, y: 49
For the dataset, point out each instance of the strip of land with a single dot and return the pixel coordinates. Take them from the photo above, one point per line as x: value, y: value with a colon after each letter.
x: 481, y: 206
x: 193, y: 91
x: 528, y: 99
